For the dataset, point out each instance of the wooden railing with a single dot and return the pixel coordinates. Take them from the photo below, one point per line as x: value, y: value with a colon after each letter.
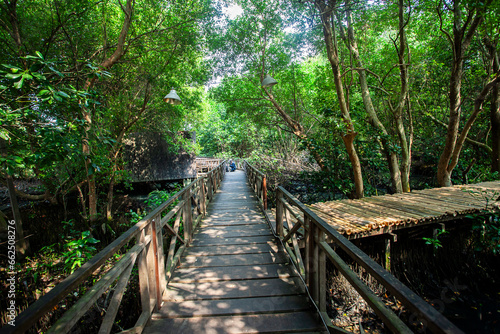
x: 318, y: 241
x: 258, y: 182
x: 183, y: 211
x: 294, y: 219
x: 205, y: 165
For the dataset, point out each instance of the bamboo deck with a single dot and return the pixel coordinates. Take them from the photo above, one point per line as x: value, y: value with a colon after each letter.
x: 382, y: 214
x: 234, y: 277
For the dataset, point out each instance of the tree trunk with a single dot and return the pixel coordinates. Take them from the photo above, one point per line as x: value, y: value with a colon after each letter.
x: 22, y: 245
x: 109, y: 206
x: 297, y: 130
x: 495, y: 129
x: 402, y: 103
x: 443, y: 174
x: 106, y: 64
x: 356, y: 165
x: 494, y: 110
x: 459, y: 41
x: 349, y: 132
x: 478, y: 107
x: 391, y: 157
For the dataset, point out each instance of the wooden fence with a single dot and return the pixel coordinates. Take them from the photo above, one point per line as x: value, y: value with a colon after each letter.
x: 321, y: 241
x: 316, y: 233
x: 157, y: 249
x: 257, y: 181
x: 205, y: 165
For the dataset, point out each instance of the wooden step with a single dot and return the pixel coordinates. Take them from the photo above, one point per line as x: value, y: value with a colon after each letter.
x: 232, y: 241
x: 267, y: 247
x: 234, y: 277
x: 240, y: 198
x: 262, y: 323
x: 238, y: 306
x: 234, y: 289
x: 232, y: 260
x: 222, y: 218
x: 225, y: 273
x: 232, y: 221
x: 249, y: 230
x: 234, y: 212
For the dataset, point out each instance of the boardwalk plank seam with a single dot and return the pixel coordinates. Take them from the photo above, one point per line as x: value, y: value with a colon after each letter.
x: 234, y: 277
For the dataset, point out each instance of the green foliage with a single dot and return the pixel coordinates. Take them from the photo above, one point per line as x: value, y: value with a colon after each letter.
x: 54, y: 76
x: 60, y: 95
x: 79, y: 251
x: 483, y: 196
x: 157, y: 197
x: 487, y: 232
x: 434, y: 241
x: 134, y: 217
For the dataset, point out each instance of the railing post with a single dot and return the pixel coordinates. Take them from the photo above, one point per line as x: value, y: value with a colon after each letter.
x: 142, y: 264
x: 307, y: 239
x: 151, y: 268
x: 313, y: 263
x: 264, y: 192
x: 203, y: 197
x: 214, y: 182
x: 321, y: 273
x: 255, y: 185
x: 209, y: 187
x: 279, y: 213
x: 156, y: 265
x: 187, y: 216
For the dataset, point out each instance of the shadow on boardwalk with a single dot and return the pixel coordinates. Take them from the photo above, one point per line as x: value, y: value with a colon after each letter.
x: 234, y: 278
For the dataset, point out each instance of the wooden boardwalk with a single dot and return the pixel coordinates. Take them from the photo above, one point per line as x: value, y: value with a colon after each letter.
x: 234, y: 277
x: 383, y: 214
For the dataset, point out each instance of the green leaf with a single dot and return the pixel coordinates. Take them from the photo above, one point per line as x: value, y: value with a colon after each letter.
x: 63, y: 94
x: 19, y: 84
x: 27, y: 76
x: 56, y: 71
x: 13, y: 76
x: 14, y: 69
x: 4, y: 134
x: 93, y: 241
x: 39, y: 54
x: 39, y: 76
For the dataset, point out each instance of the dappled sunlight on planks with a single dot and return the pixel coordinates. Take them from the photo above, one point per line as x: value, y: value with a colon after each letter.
x: 234, y: 277
x: 382, y: 214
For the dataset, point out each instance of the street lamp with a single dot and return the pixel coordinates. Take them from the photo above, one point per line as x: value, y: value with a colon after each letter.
x: 268, y: 81
x: 172, y: 98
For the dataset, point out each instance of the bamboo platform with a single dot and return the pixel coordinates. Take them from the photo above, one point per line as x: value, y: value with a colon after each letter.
x: 234, y: 277
x: 383, y: 214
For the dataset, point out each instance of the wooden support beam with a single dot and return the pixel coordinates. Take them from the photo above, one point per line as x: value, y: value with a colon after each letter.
x: 390, y: 238
x: 279, y: 214
x: 321, y: 273
x: 387, y: 252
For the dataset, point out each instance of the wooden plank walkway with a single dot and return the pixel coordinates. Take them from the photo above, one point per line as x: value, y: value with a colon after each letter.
x: 235, y: 278
x: 383, y: 214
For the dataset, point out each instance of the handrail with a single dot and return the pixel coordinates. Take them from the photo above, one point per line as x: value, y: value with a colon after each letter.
x: 154, y: 270
x: 207, y: 163
x: 316, y: 231
x: 258, y: 182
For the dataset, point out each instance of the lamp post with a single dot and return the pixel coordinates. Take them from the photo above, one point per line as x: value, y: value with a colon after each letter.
x: 268, y: 82
x: 172, y: 98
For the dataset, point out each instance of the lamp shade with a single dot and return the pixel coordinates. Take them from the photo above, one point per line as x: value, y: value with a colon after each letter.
x: 172, y: 98
x: 268, y: 81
